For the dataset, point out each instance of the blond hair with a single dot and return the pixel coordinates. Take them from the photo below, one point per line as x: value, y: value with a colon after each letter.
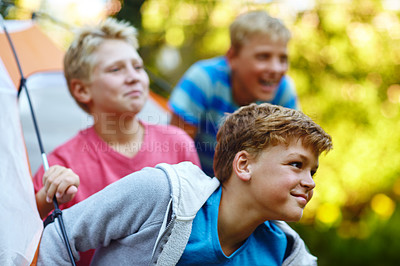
x: 253, y: 128
x: 257, y: 22
x: 79, y: 60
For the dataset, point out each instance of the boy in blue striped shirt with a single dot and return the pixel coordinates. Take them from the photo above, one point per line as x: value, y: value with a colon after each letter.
x: 253, y: 70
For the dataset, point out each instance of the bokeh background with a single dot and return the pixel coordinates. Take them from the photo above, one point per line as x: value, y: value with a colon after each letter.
x: 345, y: 61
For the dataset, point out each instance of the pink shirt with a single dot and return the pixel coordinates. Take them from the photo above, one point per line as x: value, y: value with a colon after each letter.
x: 98, y: 165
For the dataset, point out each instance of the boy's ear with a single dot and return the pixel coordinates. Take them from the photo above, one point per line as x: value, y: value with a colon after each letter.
x: 231, y: 53
x: 80, y: 91
x: 241, y: 165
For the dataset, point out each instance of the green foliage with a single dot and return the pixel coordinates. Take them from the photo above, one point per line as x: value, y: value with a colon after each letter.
x: 6, y: 7
x: 381, y: 247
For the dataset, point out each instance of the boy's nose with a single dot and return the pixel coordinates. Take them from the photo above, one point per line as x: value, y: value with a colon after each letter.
x: 308, y: 181
x: 277, y: 66
x: 132, y: 74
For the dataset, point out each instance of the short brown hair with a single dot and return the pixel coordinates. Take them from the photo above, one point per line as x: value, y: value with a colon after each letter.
x: 255, y: 127
x: 257, y: 22
x: 79, y: 59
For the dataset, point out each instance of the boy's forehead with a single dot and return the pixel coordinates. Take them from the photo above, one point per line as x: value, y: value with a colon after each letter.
x: 114, y: 50
x: 292, y: 148
x: 266, y: 36
x: 262, y: 44
x: 113, y: 45
x: 266, y: 39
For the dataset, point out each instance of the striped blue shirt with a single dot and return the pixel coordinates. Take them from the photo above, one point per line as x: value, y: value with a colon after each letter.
x: 204, y: 95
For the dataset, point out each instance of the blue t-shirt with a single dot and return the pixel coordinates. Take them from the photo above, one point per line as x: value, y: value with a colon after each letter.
x: 204, y: 95
x: 266, y: 246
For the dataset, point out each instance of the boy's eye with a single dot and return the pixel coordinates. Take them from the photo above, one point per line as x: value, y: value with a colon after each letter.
x: 138, y: 67
x: 114, y: 69
x: 297, y: 164
x: 263, y: 56
x: 283, y: 59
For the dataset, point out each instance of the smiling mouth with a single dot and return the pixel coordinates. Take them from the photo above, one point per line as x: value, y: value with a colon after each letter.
x: 302, y: 198
x: 269, y: 85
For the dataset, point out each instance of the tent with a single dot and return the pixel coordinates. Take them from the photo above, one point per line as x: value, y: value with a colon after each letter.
x: 20, y: 225
x: 59, y: 118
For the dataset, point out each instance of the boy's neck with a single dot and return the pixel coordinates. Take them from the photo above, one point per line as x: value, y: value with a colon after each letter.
x: 124, y: 134
x: 233, y: 227
x: 240, y: 97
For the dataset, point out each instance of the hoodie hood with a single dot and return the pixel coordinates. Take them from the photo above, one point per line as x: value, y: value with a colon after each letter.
x: 190, y: 187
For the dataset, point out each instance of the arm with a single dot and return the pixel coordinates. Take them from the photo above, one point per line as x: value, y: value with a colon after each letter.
x: 59, y: 181
x: 124, y: 216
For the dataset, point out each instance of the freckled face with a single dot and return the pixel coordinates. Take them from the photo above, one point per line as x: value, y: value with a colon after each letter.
x: 282, y: 181
x: 119, y: 83
x: 257, y: 69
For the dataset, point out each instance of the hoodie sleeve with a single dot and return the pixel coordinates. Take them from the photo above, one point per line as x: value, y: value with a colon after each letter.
x: 121, y: 210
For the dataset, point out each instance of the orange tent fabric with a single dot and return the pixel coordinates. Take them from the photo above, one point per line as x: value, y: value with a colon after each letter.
x: 36, y: 53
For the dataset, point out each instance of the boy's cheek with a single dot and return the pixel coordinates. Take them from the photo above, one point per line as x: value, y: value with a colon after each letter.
x: 310, y: 195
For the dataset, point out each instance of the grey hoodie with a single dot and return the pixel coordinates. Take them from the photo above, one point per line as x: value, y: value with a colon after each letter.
x: 143, y: 219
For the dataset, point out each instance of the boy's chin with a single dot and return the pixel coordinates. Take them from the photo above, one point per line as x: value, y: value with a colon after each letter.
x: 295, y: 217
x: 266, y: 96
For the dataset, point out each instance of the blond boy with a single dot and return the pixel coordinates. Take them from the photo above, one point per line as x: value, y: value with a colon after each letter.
x: 106, y: 77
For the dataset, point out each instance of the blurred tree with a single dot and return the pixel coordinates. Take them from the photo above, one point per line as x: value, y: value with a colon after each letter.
x: 131, y: 11
x: 171, y: 31
x: 6, y: 6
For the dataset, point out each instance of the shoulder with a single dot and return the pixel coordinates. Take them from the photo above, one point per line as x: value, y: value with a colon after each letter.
x: 203, y: 80
x: 76, y: 150
x: 199, y: 86
x: 66, y: 149
x: 146, y: 186
x: 167, y: 132
x: 287, y: 83
x: 213, y: 68
x: 190, y: 188
x: 286, y: 94
x: 218, y: 61
x: 149, y: 179
x: 80, y: 138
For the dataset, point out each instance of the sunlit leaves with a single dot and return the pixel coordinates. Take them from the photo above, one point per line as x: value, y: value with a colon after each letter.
x: 383, y: 205
x: 343, y: 61
x: 393, y: 93
x: 174, y: 36
x: 328, y: 214
x: 154, y: 14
